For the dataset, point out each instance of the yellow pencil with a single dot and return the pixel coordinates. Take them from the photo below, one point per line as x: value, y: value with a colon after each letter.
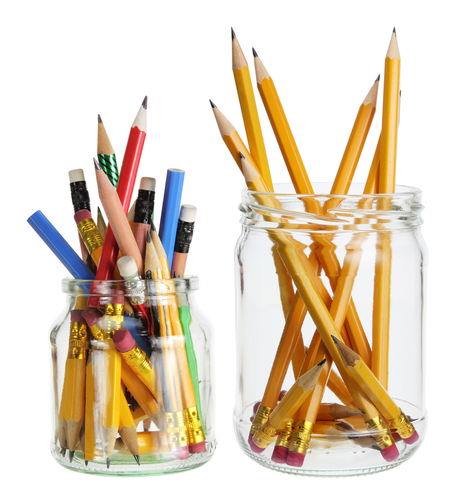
x: 249, y: 110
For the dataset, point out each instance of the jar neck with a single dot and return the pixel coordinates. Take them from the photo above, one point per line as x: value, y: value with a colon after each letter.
x: 111, y: 288
x: 327, y: 213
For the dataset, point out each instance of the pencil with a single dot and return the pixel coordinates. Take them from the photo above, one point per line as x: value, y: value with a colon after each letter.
x: 143, y: 212
x: 249, y: 110
x: 184, y: 235
x: 106, y: 155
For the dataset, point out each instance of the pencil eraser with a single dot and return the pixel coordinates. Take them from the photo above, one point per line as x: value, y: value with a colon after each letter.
x: 128, y: 267
x: 76, y: 175
x: 81, y: 215
x: 148, y: 183
x: 92, y: 316
x: 76, y: 315
x: 123, y: 340
x: 181, y: 453
x: 254, y: 447
x: 188, y: 213
x: 282, y: 394
x: 279, y: 454
x: 255, y: 407
x: 391, y: 453
x: 412, y: 439
x: 295, y: 459
x: 197, y: 447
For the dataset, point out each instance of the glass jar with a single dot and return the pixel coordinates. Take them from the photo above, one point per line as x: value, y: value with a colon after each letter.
x: 365, y: 257
x: 132, y: 386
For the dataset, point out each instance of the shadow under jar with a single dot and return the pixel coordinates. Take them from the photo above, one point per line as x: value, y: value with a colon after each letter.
x: 341, y: 278
x: 132, y: 384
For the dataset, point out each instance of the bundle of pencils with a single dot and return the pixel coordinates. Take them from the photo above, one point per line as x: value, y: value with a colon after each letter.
x: 362, y: 378
x: 131, y: 361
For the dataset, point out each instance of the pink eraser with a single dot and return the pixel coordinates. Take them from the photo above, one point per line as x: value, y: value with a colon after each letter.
x: 82, y: 215
x: 197, y: 447
x: 279, y: 454
x: 76, y: 315
x: 295, y: 459
x: 181, y: 453
x: 282, y: 394
x: 412, y: 439
x: 123, y: 340
x: 92, y: 316
x: 255, y: 448
x: 391, y: 453
x: 255, y: 407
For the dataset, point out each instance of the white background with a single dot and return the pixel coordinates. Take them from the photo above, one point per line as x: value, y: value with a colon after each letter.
x: 63, y: 63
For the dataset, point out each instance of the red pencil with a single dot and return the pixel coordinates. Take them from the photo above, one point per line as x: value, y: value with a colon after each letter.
x: 125, y: 188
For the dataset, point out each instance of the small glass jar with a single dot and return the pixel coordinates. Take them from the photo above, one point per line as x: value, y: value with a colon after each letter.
x: 366, y: 244
x: 132, y: 384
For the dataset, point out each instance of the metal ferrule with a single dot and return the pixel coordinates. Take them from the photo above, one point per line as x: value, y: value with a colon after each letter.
x: 135, y: 289
x: 176, y: 429
x: 138, y: 359
x: 90, y: 234
x: 301, y: 437
x: 195, y: 429
x: 78, y: 341
x: 265, y: 435
x: 402, y: 425
x: 283, y: 439
x: 113, y: 319
x: 380, y: 432
x: 99, y: 334
x: 260, y: 418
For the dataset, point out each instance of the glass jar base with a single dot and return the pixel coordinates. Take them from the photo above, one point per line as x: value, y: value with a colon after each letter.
x: 124, y: 464
x: 329, y: 455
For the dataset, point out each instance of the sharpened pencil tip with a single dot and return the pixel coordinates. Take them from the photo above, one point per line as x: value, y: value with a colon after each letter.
x: 97, y: 166
x: 99, y: 119
x: 137, y: 459
x: 255, y: 54
x: 71, y: 456
x: 212, y: 104
x: 334, y: 339
x: 241, y: 156
x: 148, y: 237
x: 108, y: 461
x: 144, y: 103
x: 322, y: 362
x: 378, y: 79
x: 232, y: 32
x: 394, y: 31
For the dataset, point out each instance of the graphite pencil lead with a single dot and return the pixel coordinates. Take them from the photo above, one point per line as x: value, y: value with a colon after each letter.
x: 334, y: 339
x: 255, y: 54
x: 148, y: 237
x: 232, y: 32
x: 212, y: 104
x: 97, y: 166
x: 99, y: 119
x: 394, y: 31
x: 240, y: 153
x: 137, y: 459
x: 108, y: 461
x: 378, y: 78
x: 322, y: 362
x: 71, y: 456
x: 144, y: 103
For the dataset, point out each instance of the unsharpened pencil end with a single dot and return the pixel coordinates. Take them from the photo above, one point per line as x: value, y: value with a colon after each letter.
x: 254, y: 448
x: 144, y: 102
x: 295, y: 459
x: 279, y: 454
x: 181, y: 453
x: 197, y: 447
x: 391, y: 453
x: 412, y: 439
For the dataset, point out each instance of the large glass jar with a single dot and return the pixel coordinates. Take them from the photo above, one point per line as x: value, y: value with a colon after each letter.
x: 132, y: 384
x: 360, y: 260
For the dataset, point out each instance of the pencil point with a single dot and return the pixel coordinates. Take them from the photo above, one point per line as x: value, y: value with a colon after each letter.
x: 97, y: 166
x: 144, y: 103
x: 108, y: 461
x: 322, y: 362
x: 394, y: 31
x: 232, y: 32
x: 137, y: 459
x: 255, y: 54
x: 334, y: 339
x: 241, y: 156
x: 378, y: 78
x: 99, y: 119
x: 212, y: 104
x: 148, y: 237
x: 71, y: 456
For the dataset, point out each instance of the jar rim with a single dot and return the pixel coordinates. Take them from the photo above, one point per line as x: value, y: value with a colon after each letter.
x: 102, y: 288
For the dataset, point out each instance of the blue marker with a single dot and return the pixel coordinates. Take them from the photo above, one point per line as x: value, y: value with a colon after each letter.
x: 170, y: 211
x: 60, y: 247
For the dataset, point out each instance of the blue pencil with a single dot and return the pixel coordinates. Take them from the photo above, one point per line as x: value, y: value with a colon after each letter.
x: 60, y: 247
x: 170, y: 211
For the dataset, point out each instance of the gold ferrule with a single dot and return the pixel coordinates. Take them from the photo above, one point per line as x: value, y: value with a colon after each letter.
x: 260, y: 418
x: 99, y: 334
x: 301, y: 437
x: 90, y: 234
x: 380, y: 432
x: 78, y: 342
x: 113, y: 318
x: 402, y: 425
x: 195, y: 430
x: 283, y: 439
x: 265, y: 435
x: 176, y: 429
x: 138, y: 359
